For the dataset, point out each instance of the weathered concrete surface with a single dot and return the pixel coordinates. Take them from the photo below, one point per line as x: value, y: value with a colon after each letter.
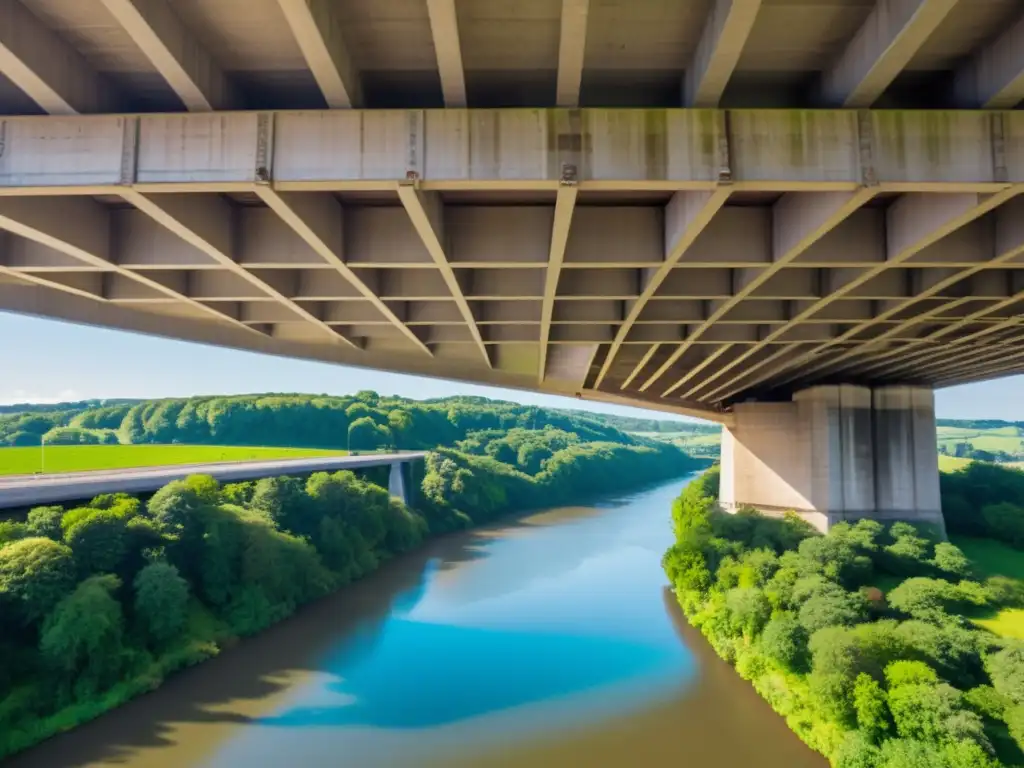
x: 834, y: 453
x: 31, y: 490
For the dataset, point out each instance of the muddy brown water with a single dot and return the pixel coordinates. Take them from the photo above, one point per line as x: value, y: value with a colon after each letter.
x: 550, y: 640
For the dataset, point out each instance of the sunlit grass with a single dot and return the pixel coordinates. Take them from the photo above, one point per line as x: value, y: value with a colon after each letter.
x: 76, y: 458
x: 1009, y: 622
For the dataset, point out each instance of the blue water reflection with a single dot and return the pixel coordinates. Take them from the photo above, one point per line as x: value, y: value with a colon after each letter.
x: 424, y: 675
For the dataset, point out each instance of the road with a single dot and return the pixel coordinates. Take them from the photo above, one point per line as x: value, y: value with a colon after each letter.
x: 32, y: 490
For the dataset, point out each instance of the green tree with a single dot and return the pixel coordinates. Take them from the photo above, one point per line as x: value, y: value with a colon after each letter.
x: 749, y: 609
x: 1005, y: 522
x: 284, y: 501
x: 785, y: 642
x: 161, y: 602
x: 831, y: 609
x: 45, y: 521
x: 99, y: 542
x: 82, y: 636
x: 1006, y: 669
x: 35, y: 574
x: 869, y: 703
x: 951, y: 560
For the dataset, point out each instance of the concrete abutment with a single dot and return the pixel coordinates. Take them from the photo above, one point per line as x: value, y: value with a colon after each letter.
x: 838, y: 452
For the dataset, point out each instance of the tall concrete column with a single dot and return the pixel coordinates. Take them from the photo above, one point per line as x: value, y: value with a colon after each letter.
x: 836, y: 453
x: 396, y: 483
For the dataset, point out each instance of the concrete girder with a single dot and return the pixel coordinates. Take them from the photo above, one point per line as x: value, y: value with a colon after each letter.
x: 797, y: 223
x: 721, y: 42
x: 444, y: 28
x: 82, y: 229
x: 893, y: 32
x: 929, y: 350
x: 565, y: 204
x: 572, y: 45
x: 686, y: 215
x: 994, y: 77
x: 189, y: 69
x: 426, y: 211
x: 319, y: 35
x: 913, y: 222
x: 466, y: 150
x: 1010, y: 244
x: 49, y: 71
x: 209, y: 226
x: 315, y: 218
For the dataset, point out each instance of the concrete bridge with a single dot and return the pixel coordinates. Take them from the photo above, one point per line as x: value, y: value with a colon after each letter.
x: 704, y: 207
x: 33, y: 490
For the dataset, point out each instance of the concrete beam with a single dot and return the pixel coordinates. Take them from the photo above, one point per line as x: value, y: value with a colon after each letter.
x: 316, y: 219
x: 50, y: 72
x: 426, y: 211
x: 797, y: 223
x: 686, y: 216
x: 572, y: 45
x: 994, y: 78
x: 176, y: 54
x: 318, y: 32
x: 338, y: 150
x: 444, y: 28
x: 725, y: 33
x: 881, y: 49
x: 565, y: 204
x: 79, y: 227
x: 208, y: 224
x: 914, y: 222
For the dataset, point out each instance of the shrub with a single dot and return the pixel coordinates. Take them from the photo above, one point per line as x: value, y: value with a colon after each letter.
x: 784, y: 641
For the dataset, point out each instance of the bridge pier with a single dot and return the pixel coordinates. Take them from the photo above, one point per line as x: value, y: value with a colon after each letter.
x: 838, y: 452
x: 396, y: 483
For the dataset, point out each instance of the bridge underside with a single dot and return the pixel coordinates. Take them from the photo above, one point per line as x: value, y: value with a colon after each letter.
x: 683, y: 259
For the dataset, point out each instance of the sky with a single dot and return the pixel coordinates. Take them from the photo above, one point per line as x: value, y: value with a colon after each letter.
x: 46, y: 361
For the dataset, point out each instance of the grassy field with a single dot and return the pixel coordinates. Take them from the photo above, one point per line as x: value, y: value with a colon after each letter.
x: 1008, y: 439
x: 990, y: 558
x: 75, y: 458
x: 949, y: 463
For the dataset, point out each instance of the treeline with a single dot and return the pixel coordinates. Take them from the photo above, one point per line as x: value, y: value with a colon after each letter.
x: 364, y: 421
x: 979, y: 423
x: 101, y: 602
x: 985, y: 500
x: 871, y: 679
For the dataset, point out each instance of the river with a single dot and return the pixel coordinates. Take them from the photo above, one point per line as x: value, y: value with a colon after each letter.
x: 550, y: 640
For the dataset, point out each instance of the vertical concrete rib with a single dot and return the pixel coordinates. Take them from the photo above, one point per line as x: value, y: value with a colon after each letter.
x: 572, y: 45
x: 50, y: 72
x: 176, y: 54
x: 725, y: 33
x: 317, y: 219
x: 444, y: 27
x: 319, y: 35
x: 882, y: 47
x: 686, y: 216
x: 798, y: 221
x: 994, y: 78
x: 565, y: 203
x: 426, y: 211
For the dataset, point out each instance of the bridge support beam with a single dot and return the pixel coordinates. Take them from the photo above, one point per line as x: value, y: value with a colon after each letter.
x: 840, y: 452
x: 397, y: 486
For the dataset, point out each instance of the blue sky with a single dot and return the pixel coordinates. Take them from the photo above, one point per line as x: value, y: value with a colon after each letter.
x: 49, y: 361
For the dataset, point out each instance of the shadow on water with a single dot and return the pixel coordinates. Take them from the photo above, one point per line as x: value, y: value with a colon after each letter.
x: 236, y: 686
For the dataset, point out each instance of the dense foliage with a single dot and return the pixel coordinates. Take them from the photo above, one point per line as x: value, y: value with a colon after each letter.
x: 872, y: 679
x: 985, y: 500
x: 363, y: 421
x: 100, y: 602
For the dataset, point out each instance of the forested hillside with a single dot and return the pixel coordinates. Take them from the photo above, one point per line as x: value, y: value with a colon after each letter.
x: 363, y: 421
x: 99, y: 602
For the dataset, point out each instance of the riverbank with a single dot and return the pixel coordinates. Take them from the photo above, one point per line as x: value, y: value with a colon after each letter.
x: 438, y: 658
x: 98, y: 644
